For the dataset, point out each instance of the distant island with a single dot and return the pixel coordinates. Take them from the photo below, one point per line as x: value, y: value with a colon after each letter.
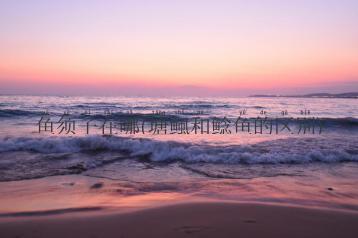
x: 312, y: 95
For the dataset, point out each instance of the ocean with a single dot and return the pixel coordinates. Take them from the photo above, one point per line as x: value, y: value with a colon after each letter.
x: 291, y: 150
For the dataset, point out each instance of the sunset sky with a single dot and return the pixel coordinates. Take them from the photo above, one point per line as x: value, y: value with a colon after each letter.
x: 201, y: 47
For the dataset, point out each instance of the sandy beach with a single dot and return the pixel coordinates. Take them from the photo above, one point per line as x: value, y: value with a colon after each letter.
x: 187, y: 220
x: 84, y: 206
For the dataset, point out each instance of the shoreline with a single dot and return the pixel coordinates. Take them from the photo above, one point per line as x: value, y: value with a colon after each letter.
x: 88, y: 206
x: 71, y: 192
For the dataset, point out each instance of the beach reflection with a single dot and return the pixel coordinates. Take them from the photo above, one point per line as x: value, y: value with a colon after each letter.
x: 316, y: 189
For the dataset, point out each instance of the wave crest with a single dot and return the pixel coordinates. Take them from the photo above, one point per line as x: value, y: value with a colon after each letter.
x: 284, y: 151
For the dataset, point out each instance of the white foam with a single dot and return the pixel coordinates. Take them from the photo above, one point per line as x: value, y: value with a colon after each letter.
x: 271, y: 152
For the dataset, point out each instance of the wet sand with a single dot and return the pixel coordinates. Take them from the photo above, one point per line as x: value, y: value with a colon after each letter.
x: 83, y: 206
x: 209, y: 219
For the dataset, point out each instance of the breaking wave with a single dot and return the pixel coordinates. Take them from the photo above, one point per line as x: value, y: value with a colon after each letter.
x: 282, y: 151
